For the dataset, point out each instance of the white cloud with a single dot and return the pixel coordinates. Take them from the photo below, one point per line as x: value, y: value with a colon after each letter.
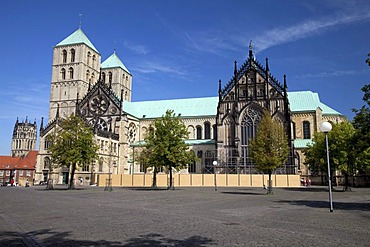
x: 305, y: 29
x: 139, y: 49
x: 154, y: 67
x: 331, y: 74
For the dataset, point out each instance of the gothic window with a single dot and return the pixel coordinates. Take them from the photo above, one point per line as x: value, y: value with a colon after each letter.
x: 92, y: 76
x: 199, y: 132
x: 306, y: 130
x: 87, y: 75
x: 73, y: 53
x: 207, y: 130
x: 88, y: 58
x: 63, y: 72
x: 110, y: 77
x: 70, y: 71
x: 103, y: 76
x: 249, y: 125
x: 64, y: 56
x: 47, y: 163
x: 192, y: 167
x: 93, y: 60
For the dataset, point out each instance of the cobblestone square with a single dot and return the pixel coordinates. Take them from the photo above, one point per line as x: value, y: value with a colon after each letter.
x: 90, y: 216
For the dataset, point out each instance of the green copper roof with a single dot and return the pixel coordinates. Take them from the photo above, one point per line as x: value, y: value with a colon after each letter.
x: 190, y: 142
x: 302, y: 101
x: 113, y: 62
x: 302, y: 143
x: 78, y: 37
x: 192, y: 107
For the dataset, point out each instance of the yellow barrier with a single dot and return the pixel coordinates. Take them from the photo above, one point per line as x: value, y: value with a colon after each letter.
x: 199, y: 180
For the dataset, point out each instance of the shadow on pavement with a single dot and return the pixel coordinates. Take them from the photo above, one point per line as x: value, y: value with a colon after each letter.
x: 9, y: 238
x: 243, y: 193
x: 325, y: 204
x: 313, y: 189
x: 159, y: 240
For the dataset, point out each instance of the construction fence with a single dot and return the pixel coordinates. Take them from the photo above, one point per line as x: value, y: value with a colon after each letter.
x: 200, y: 180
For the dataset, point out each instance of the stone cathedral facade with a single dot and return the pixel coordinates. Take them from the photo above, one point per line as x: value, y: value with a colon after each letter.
x: 219, y: 127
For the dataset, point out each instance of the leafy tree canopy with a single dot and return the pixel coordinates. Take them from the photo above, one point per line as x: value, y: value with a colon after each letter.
x: 165, y: 143
x: 73, y: 144
x: 269, y: 149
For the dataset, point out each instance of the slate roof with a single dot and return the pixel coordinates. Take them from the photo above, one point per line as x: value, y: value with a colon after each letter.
x: 301, y: 101
x: 113, y: 62
x: 78, y: 37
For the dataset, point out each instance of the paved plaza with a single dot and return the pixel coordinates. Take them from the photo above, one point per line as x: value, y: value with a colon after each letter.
x: 90, y: 216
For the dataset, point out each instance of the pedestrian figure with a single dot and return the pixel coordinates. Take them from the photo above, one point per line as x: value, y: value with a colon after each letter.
x: 27, y: 183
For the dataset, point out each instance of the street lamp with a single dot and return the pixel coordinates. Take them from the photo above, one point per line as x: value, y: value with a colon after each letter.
x: 326, y: 127
x: 214, y: 171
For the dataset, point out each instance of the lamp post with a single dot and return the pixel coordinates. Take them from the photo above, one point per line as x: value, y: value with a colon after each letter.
x: 326, y: 127
x: 214, y: 171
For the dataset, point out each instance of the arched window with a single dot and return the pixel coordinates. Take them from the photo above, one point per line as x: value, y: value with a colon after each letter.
x: 103, y: 76
x: 93, y: 60
x: 199, y: 132
x: 47, y: 163
x: 249, y: 125
x: 294, y: 130
x: 88, y: 58
x: 87, y: 75
x: 306, y: 130
x: 92, y: 77
x: 70, y: 71
x: 64, y: 56
x: 110, y: 77
x: 63, y: 72
x: 73, y: 53
x: 207, y: 130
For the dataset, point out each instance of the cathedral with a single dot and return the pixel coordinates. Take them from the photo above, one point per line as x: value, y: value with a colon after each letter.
x: 219, y: 127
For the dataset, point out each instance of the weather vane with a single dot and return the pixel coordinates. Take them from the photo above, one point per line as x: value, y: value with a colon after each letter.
x: 80, y: 20
x: 250, y: 45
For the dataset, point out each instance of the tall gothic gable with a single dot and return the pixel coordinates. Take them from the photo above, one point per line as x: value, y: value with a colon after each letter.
x: 251, y: 89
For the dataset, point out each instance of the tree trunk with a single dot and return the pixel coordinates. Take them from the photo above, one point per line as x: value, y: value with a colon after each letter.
x: 171, y: 187
x: 154, y: 184
x: 269, y: 190
x: 71, y: 180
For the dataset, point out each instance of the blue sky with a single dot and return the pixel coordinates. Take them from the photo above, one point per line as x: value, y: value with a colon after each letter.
x: 180, y: 49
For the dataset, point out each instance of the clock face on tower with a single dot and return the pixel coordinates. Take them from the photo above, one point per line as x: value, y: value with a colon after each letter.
x: 99, y: 104
x: 100, y: 124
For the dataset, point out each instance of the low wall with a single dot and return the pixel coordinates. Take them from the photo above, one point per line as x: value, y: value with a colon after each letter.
x: 200, y: 180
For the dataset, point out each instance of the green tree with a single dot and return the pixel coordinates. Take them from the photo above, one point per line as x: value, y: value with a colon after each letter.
x: 269, y: 150
x: 166, y: 146
x: 73, y: 145
x: 342, y: 155
x: 361, y: 140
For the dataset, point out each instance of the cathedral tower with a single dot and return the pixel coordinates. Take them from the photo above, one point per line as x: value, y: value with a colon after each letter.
x: 24, y: 138
x: 117, y: 77
x: 76, y: 63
